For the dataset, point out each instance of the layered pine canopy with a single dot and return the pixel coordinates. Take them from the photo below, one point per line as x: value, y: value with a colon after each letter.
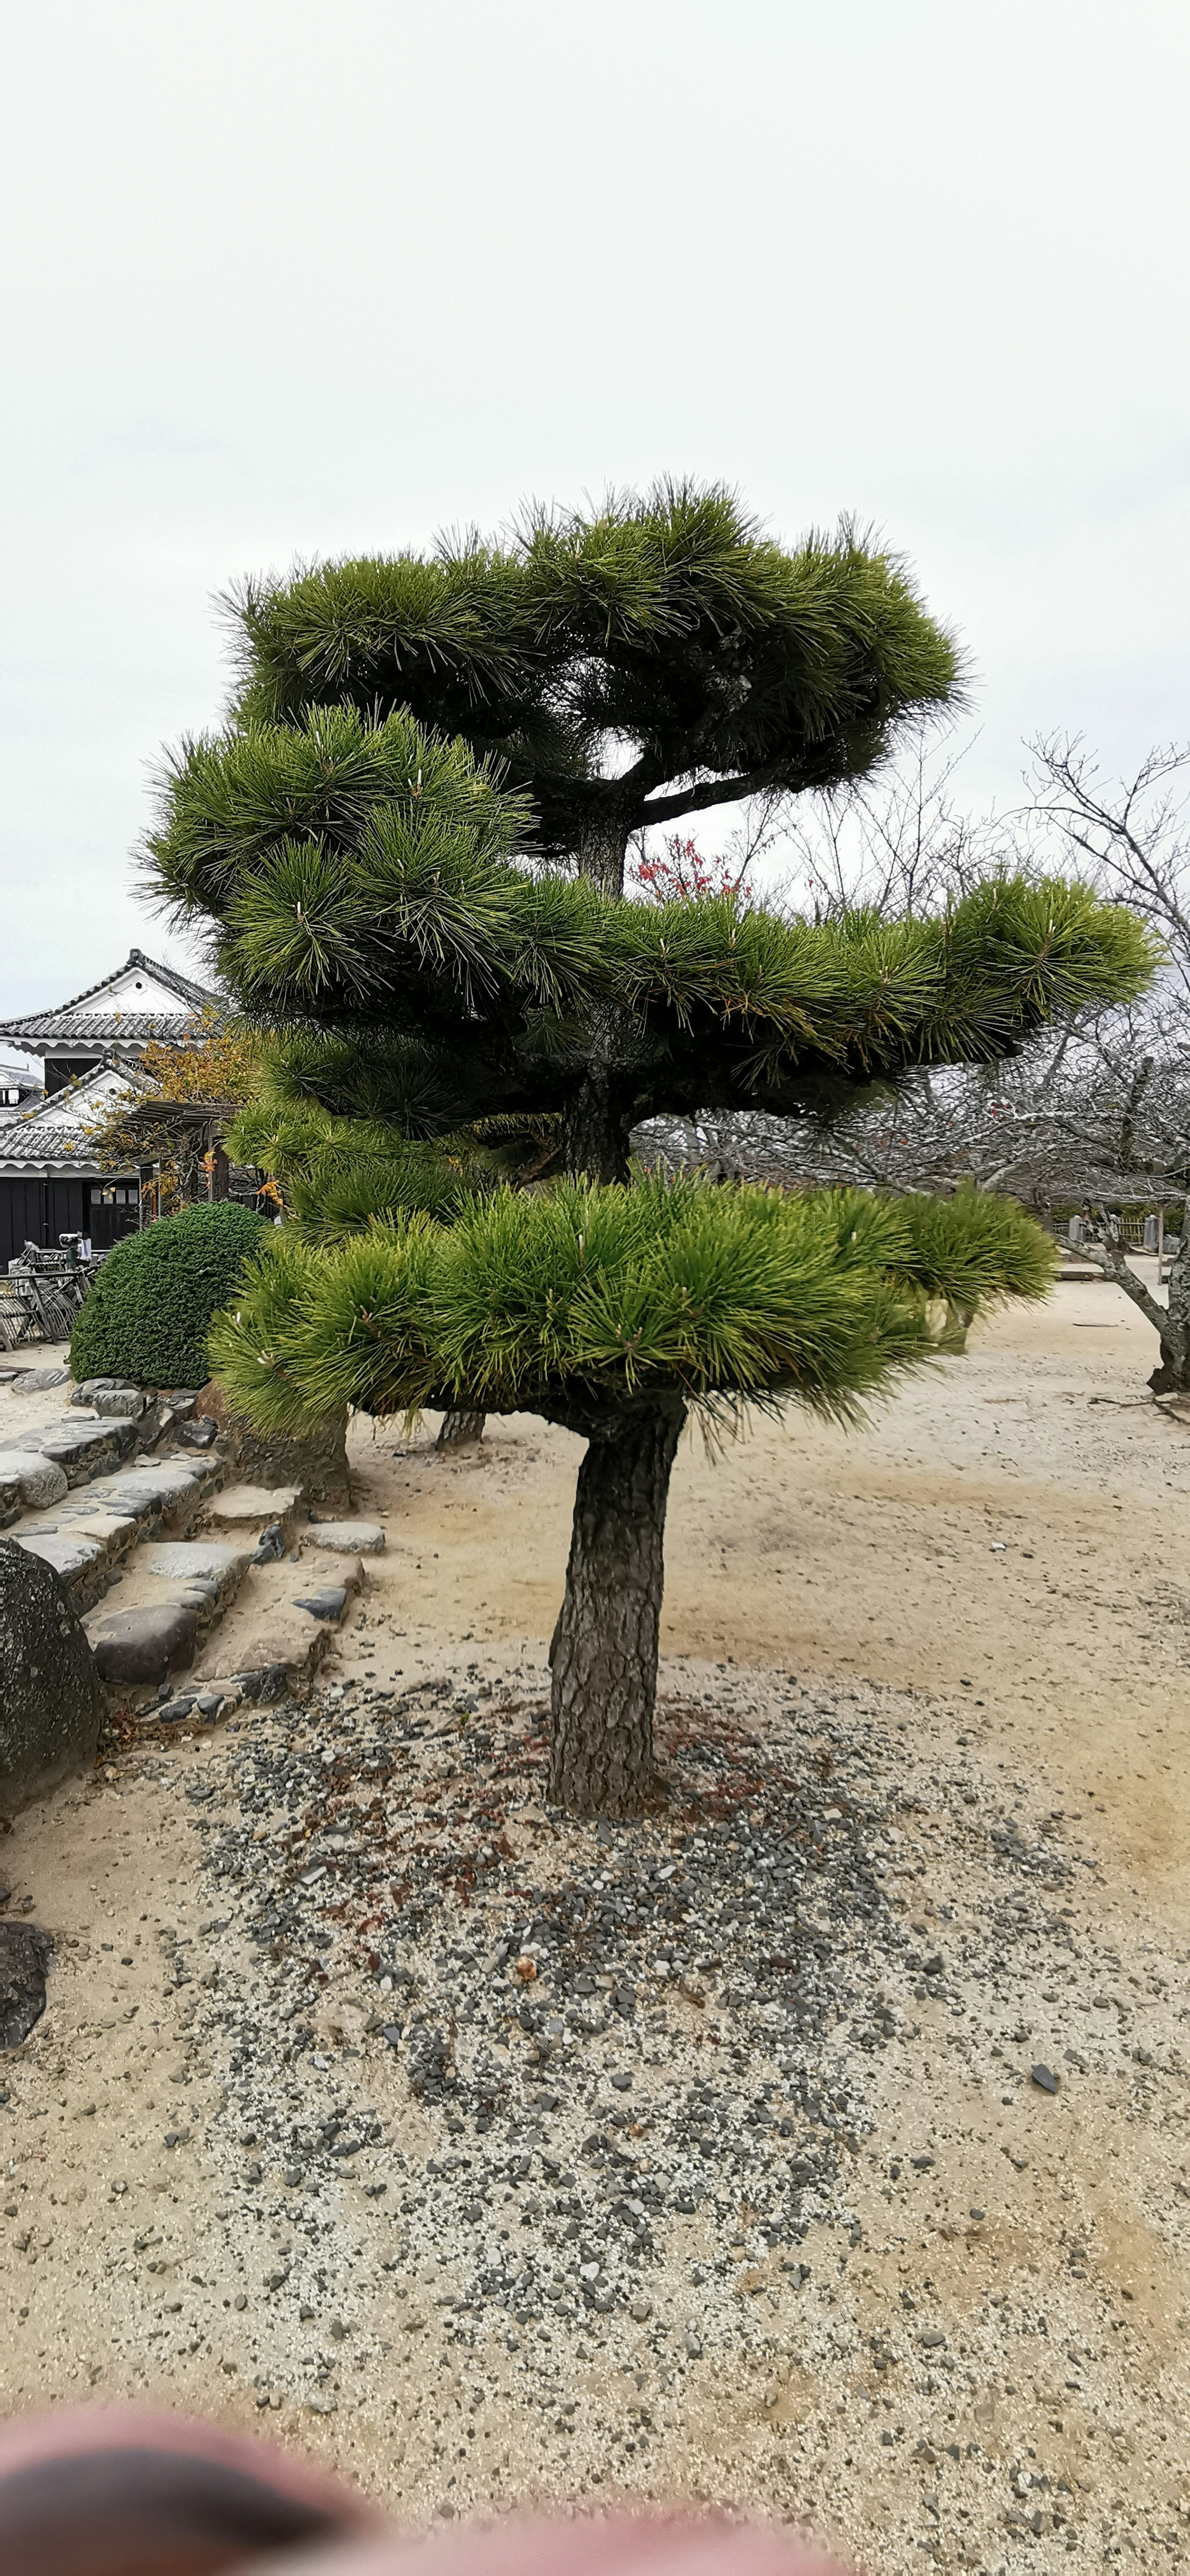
x: 368, y: 899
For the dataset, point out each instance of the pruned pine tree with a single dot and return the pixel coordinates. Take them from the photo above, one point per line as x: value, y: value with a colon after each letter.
x: 379, y: 896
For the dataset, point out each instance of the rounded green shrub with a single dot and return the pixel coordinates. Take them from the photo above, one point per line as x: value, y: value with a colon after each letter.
x: 149, y: 1312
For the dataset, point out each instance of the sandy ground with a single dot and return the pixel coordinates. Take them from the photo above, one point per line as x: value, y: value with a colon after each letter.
x: 998, y: 1566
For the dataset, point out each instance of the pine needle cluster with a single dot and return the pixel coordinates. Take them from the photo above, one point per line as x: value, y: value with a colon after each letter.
x: 585, y: 1299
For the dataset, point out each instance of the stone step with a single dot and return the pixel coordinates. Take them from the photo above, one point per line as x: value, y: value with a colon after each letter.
x: 347, y: 1538
x: 211, y: 1612
x: 213, y: 1605
x: 82, y: 1449
x: 88, y: 1540
x: 280, y: 1624
x: 184, y: 1587
x: 255, y: 1507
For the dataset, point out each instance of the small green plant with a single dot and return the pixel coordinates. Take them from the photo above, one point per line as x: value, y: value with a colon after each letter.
x: 149, y: 1312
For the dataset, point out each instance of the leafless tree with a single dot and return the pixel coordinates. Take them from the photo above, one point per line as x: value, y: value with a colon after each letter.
x: 1096, y: 1111
x: 1133, y: 836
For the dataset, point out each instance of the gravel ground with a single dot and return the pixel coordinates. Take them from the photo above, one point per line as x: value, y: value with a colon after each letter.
x: 819, y: 2145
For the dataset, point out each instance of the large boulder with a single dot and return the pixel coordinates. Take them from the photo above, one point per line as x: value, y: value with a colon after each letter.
x: 50, y: 1696
x: 25, y: 1955
x: 316, y: 1463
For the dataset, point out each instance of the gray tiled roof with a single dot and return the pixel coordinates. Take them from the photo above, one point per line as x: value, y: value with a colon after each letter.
x: 64, y: 1023
x: 44, y: 1147
x: 105, y: 1028
x: 53, y: 1136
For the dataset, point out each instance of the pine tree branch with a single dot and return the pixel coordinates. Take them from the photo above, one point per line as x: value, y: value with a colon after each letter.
x: 715, y: 791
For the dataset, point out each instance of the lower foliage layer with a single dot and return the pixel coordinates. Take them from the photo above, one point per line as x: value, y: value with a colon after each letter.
x: 587, y: 1297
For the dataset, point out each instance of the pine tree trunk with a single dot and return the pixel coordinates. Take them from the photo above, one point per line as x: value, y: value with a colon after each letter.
x: 603, y: 1656
x: 600, y: 850
x: 459, y: 1428
x: 594, y: 1143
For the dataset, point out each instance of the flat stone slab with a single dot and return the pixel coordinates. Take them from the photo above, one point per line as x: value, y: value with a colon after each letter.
x: 162, y: 1477
x: 40, y: 1480
x: 347, y: 1538
x: 116, y: 1531
x: 196, y: 1561
x: 25, y: 1955
x: 68, y: 1557
x: 36, y: 1381
x: 89, y: 1387
x: 252, y: 1502
x: 119, y: 1403
x: 144, y: 1645
x: 68, y: 1439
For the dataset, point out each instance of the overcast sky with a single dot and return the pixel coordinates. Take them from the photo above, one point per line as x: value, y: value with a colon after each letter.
x: 290, y: 280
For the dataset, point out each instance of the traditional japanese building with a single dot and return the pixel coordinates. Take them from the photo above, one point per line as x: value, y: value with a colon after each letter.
x: 50, y: 1180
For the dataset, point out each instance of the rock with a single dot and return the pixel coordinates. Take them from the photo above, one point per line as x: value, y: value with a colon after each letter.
x: 37, y: 1381
x: 89, y: 1387
x: 145, y: 1645
x: 263, y: 1685
x: 84, y: 1449
x: 693, y: 2343
x: 39, y: 1481
x: 640, y: 2308
x: 198, y: 1435
x: 1045, y: 2078
x: 199, y: 1561
x: 25, y: 1955
x: 120, y: 1403
x: 347, y: 1538
x: 270, y: 1546
x: 50, y: 1699
x: 78, y: 1563
x: 329, y: 1604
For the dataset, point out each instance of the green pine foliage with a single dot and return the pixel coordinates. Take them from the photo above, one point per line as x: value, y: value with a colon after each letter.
x: 148, y: 1315
x: 426, y: 976
x: 584, y: 1298
x: 668, y: 620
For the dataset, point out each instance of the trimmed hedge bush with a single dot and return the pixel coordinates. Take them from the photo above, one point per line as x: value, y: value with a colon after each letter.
x: 149, y: 1312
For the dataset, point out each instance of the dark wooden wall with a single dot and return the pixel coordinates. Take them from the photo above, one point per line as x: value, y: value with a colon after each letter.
x: 38, y: 1211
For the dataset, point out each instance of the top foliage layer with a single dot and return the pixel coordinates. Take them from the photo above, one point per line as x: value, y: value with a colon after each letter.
x: 667, y: 624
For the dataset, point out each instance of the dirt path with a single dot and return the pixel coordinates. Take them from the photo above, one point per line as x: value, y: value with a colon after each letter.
x: 969, y: 1627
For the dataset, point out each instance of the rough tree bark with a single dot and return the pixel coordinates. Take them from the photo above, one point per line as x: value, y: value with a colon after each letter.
x: 460, y: 1428
x: 603, y: 1656
x: 594, y: 1136
x: 601, y: 844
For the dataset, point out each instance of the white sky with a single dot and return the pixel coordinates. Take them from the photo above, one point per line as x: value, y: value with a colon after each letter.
x: 284, y: 279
